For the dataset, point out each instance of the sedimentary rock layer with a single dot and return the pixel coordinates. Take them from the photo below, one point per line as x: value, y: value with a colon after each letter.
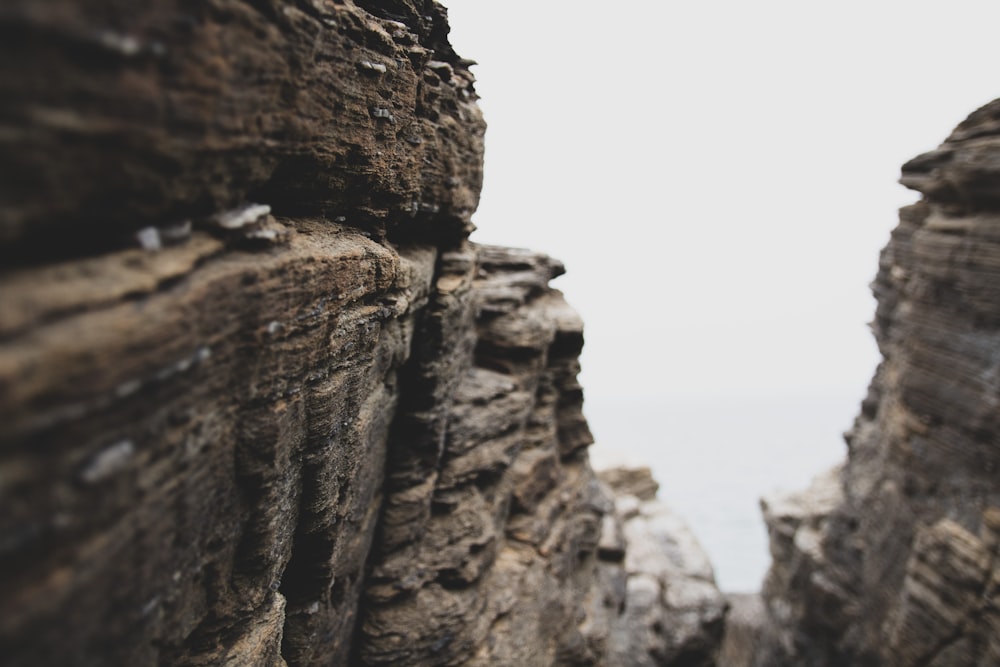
x: 491, y: 525
x: 353, y: 110
x: 261, y: 401
x: 181, y: 461
x: 199, y: 340
x: 894, y: 560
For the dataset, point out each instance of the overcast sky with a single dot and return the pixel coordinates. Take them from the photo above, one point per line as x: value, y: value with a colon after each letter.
x: 718, y: 176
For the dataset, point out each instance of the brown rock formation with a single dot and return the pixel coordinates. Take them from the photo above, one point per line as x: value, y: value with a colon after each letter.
x: 894, y: 560
x: 359, y: 110
x: 492, y: 513
x: 261, y: 402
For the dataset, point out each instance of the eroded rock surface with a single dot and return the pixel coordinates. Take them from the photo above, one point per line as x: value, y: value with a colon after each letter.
x: 894, y: 560
x: 493, y: 512
x: 200, y: 341
x: 673, y: 611
x: 261, y: 401
x: 355, y: 110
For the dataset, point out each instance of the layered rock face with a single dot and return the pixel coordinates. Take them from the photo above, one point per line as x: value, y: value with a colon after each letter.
x: 119, y: 115
x: 673, y: 612
x: 894, y: 559
x: 261, y: 401
x: 201, y: 341
x: 490, y: 502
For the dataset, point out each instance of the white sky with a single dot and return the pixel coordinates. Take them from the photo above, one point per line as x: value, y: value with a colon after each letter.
x: 718, y: 176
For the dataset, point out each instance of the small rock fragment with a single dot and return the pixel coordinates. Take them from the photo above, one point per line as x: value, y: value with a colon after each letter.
x: 240, y: 217
x: 149, y: 238
x: 107, y: 462
x: 442, y: 69
x: 125, y: 45
x: 374, y: 68
x: 383, y: 113
x: 176, y: 232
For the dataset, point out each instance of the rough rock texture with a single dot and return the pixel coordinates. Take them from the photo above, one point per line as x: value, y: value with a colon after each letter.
x: 492, y: 512
x: 673, y: 612
x: 894, y: 559
x: 261, y: 401
x: 193, y: 431
x: 744, y: 629
x: 347, y: 109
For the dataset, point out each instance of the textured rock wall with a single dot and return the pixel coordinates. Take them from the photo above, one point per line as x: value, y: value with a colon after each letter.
x: 195, y: 392
x: 494, y: 518
x: 673, y: 612
x: 894, y: 559
x: 357, y: 109
x: 261, y: 402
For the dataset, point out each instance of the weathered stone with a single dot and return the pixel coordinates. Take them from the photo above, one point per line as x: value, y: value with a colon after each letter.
x: 636, y: 482
x: 942, y: 593
x: 799, y: 526
x: 194, y: 420
x: 672, y: 610
x: 745, y: 625
x: 512, y: 523
x: 261, y: 401
x: 353, y: 110
x: 894, y: 560
x: 965, y: 170
x: 195, y: 441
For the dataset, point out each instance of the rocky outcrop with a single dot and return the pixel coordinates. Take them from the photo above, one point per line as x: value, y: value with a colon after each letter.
x: 673, y: 612
x: 261, y: 401
x: 353, y: 110
x: 193, y: 429
x: 894, y: 559
x: 492, y: 513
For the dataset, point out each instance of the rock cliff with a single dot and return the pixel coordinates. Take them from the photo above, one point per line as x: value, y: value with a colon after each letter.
x: 893, y: 560
x: 261, y: 400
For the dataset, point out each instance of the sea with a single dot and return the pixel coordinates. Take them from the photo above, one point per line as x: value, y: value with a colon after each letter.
x: 715, y: 457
